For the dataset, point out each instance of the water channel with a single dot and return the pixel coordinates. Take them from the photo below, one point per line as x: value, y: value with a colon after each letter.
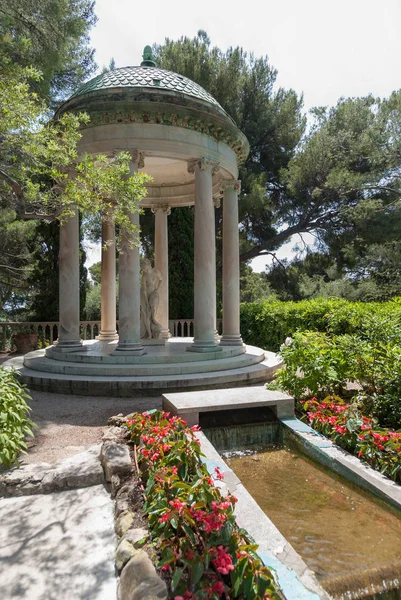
x: 341, y: 532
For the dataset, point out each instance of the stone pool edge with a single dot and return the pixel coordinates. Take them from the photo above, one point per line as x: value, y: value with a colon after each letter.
x: 328, y: 454
x: 295, y: 579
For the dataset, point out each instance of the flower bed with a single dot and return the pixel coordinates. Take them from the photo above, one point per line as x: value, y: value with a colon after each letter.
x: 201, y: 549
x: 349, y: 428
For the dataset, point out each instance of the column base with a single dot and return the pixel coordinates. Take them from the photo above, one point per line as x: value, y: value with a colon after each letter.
x: 231, y: 340
x: 74, y: 346
x: 201, y: 346
x: 107, y: 336
x: 129, y: 349
x: 165, y: 334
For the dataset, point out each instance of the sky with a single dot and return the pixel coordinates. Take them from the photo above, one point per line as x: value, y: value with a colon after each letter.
x: 322, y: 49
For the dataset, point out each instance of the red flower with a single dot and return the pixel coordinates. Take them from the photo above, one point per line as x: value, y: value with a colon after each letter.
x: 219, y: 474
x: 177, y: 504
x: 165, y: 517
x: 340, y: 429
x: 218, y: 587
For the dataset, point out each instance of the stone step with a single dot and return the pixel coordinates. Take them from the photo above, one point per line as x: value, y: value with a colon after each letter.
x: 147, y: 385
x: 45, y: 364
x: 171, y: 352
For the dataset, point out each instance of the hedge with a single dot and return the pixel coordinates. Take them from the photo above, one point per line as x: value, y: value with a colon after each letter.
x: 267, y: 324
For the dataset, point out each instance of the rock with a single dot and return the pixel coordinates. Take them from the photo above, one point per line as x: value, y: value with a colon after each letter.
x: 134, y: 536
x: 124, y: 552
x: 112, y: 434
x: 115, y: 484
x: 115, y: 459
x: 81, y: 470
x: 126, y: 490
x: 117, y: 420
x: 121, y: 506
x: 139, y: 580
x: 123, y: 523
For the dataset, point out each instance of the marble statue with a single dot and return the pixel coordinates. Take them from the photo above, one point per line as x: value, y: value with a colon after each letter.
x: 150, y: 283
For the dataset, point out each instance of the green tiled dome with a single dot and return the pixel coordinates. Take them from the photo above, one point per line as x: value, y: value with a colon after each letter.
x: 146, y: 77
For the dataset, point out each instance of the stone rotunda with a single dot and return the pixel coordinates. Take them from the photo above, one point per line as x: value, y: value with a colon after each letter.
x: 178, y: 134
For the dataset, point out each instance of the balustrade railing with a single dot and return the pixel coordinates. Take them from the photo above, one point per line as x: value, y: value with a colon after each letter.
x: 185, y: 327
x: 47, y: 331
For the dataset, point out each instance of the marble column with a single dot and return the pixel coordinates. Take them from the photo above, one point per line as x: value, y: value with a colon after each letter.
x: 161, y: 212
x: 68, y: 331
x: 108, y: 331
x: 130, y: 283
x: 205, y: 257
x: 216, y: 204
x: 231, y: 296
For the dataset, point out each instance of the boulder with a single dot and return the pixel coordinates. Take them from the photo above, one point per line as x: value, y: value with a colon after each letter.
x: 139, y: 580
x: 115, y: 459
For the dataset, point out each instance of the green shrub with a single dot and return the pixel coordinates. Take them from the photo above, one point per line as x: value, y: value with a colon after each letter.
x: 15, y: 424
x: 268, y: 323
x: 315, y: 364
x: 322, y: 364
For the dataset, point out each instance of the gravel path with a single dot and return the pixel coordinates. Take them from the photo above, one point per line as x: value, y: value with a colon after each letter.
x: 68, y: 424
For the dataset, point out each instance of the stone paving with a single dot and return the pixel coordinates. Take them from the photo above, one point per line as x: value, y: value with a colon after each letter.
x: 58, y: 546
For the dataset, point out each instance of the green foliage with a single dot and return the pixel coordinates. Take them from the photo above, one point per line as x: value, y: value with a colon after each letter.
x: 315, y: 364
x: 253, y: 286
x: 16, y: 237
x: 355, y: 346
x: 93, y: 304
x: 53, y: 36
x: 268, y: 323
x: 95, y: 272
x: 181, y: 263
x: 193, y: 525
x: 36, y: 156
x: 15, y: 424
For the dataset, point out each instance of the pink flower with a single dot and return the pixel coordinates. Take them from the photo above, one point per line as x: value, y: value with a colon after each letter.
x: 223, y: 562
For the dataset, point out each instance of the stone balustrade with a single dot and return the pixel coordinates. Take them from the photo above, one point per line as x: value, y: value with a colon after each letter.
x: 47, y: 331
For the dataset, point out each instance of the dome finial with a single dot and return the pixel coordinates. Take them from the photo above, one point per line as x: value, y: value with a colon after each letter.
x: 147, y: 58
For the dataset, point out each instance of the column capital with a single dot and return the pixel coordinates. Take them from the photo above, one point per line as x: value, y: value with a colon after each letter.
x: 137, y: 157
x: 203, y: 164
x: 233, y: 184
x: 216, y: 201
x: 164, y: 207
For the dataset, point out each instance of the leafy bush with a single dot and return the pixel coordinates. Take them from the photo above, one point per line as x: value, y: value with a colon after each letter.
x: 314, y: 365
x: 193, y: 525
x: 15, y: 424
x: 267, y: 323
x: 320, y: 364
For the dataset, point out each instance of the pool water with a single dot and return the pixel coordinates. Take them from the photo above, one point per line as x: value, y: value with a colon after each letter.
x: 336, y: 527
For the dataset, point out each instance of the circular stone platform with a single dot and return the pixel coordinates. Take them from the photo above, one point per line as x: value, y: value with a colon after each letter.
x: 95, y: 371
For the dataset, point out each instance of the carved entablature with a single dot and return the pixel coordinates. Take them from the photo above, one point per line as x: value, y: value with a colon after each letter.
x: 208, y: 127
x: 203, y: 164
x: 164, y: 207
